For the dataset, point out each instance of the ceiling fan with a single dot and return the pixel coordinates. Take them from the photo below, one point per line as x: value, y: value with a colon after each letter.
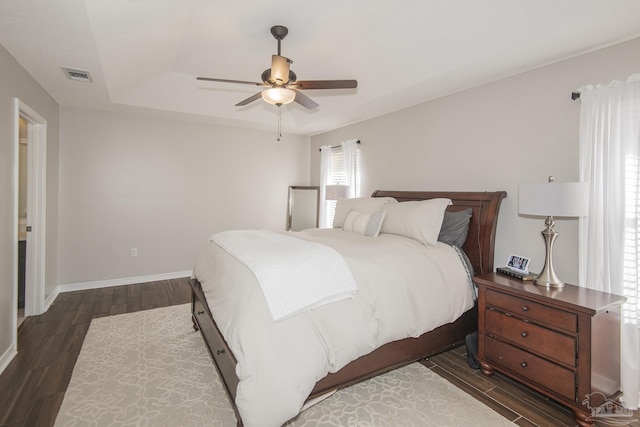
x: 282, y: 86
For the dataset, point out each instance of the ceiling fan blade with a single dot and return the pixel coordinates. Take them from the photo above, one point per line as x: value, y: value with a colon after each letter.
x: 280, y: 69
x: 250, y: 99
x: 305, y: 101
x: 324, y: 84
x: 210, y: 79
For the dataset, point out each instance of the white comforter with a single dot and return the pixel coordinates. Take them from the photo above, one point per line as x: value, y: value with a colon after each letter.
x: 299, y: 275
x: 404, y: 289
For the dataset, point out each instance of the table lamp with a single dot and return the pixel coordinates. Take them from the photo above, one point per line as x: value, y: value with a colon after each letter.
x: 566, y: 199
x: 336, y: 191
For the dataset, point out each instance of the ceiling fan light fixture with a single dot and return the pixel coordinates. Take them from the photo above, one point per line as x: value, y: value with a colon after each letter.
x: 278, y: 95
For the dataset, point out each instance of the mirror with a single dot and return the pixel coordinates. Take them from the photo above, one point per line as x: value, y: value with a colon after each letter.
x: 304, y: 203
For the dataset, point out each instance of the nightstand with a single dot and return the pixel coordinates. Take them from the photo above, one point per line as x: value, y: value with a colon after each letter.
x: 564, y: 343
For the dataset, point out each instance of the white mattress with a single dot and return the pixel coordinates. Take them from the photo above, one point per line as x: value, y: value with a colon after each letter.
x: 404, y: 289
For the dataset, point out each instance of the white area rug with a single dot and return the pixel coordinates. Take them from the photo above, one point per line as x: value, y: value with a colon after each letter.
x: 151, y: 368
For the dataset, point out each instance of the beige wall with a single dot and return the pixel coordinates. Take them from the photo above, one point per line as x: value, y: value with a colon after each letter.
x: 16, y: 83
x: 519, y: 129
x: 163, y: 187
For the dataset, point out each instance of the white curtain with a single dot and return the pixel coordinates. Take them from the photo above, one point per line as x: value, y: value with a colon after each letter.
x: 350, y: 153
x: 610, y: 234
x: 325, y: 174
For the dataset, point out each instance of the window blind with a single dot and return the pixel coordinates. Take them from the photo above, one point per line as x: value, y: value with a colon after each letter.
x: 338, y: 176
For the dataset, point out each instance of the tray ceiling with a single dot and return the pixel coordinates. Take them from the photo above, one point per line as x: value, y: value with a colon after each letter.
x: 146, y: 54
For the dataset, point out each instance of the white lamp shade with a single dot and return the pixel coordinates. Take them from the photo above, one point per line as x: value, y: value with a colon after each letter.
x: 336, y: 191
x: 278, y: 95
x: 554, y: 199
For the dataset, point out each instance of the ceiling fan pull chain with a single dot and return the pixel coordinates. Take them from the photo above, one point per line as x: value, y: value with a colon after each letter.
x: 279, y: 123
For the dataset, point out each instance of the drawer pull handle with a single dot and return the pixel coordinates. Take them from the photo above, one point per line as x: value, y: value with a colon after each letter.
x: 523, y: 364
x: 524, y: 334
x: 219, y: 352
x: 201, y: 312
x: 525, y: 308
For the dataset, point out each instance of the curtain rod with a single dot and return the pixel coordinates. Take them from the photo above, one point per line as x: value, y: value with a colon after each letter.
x: 575, y: 95
x: 338, y: 146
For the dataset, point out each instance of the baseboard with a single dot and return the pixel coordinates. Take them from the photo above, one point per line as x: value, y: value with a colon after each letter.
x: 49, y: 299
x: 7, y: 357
x: 117, y: 282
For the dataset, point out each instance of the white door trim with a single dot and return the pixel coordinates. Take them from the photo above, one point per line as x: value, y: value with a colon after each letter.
x: 36, y: 208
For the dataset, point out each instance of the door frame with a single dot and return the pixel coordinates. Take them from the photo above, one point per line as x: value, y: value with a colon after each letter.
x: 36, y: 209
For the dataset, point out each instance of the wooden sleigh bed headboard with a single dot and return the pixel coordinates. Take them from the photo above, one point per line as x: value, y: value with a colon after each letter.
x: 479, y: 247
x: 480, y: 242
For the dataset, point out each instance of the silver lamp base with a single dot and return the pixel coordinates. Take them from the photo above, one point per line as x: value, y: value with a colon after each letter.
x: 547, y: 276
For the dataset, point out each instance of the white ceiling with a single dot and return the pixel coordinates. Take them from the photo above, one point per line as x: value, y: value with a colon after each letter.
x: 147, y: 53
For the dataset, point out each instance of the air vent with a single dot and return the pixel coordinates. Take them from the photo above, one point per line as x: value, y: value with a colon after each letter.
x: 75, y: 74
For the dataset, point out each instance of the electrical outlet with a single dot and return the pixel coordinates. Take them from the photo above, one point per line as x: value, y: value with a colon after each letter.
x: 134, y: 251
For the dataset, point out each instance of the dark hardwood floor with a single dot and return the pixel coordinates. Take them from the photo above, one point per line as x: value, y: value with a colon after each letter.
x: 516, y: 402
x: 34, y: 383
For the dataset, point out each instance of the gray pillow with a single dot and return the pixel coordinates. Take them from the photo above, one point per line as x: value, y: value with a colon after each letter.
x: 455, y: 227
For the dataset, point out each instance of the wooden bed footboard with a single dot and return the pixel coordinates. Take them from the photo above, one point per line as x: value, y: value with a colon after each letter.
x: 479, y: 247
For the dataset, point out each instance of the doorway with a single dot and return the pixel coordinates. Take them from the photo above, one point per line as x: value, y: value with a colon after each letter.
x: 23, y: 168
x: 30, y: 132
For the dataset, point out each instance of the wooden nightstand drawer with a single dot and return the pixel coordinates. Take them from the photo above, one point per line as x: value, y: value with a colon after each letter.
x: 553, y: 345
x: 530, y: 310
x: 559, y: 380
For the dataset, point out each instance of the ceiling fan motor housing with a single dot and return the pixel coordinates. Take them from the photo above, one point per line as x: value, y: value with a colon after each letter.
x: 266, y: 77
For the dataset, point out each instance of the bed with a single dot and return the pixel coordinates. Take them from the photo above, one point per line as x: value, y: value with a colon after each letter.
x: 373, y: 355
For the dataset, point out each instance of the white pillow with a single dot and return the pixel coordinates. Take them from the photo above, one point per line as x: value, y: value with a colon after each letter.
x: 363, y: 223
x: 360, y: 204
x: 419, y: 220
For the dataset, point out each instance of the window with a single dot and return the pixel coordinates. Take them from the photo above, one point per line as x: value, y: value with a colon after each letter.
x: 340, y: 177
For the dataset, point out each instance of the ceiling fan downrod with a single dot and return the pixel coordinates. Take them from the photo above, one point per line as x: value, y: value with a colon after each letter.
x: 279, y: 32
